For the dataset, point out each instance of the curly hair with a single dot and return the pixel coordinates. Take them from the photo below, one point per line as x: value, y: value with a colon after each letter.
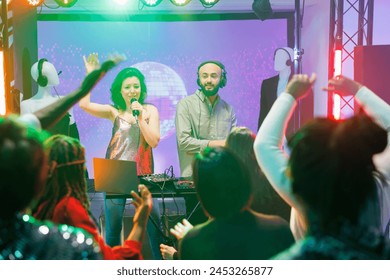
x: 66, y: 159
x: 116, y: 95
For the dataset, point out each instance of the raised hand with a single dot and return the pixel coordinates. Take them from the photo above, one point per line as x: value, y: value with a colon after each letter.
x: 92, y: 62
x: 167, y: 252
x: 300, y: 85
x: 143, y: 205
x: 343, y: 86
x: 117, y: 57
x: 181, y: 229
x: 97, y: 72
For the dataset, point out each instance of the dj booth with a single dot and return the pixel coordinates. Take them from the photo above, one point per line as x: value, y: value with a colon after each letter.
x: 176, y: 197
x: 159, y: 185
x: 162, y: 187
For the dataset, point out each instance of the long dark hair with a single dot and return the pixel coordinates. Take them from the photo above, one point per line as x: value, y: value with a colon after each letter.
x: 332, y: 169
x: 116, y: 95
x: 222, y: 182
x: 240, y: 141
x: 21, y: 162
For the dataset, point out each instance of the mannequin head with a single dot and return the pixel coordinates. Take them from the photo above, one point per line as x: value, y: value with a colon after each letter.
x: 43, y: 68
x: 283, y: 58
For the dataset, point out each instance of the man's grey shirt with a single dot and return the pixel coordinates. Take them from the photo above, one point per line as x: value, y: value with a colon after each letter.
x: 197, y: 122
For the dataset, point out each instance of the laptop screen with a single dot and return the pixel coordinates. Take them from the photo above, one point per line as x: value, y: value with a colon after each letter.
x: 115, y: 176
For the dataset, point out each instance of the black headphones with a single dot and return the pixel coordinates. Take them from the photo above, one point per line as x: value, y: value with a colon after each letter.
x: 288, y: 61
x: 223, y: 80
x: 41, y: 80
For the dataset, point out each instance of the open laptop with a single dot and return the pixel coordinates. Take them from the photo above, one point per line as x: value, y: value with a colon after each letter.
x: 115, y: 176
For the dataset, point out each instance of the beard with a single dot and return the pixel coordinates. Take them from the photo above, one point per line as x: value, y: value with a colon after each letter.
x: 211, y: 92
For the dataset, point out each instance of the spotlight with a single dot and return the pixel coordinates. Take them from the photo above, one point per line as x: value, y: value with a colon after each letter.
x: 121, y: 2
x: 262, y: 9
x: 151, y: 3
x: 65, y: 3
x: 35, y: 3
x: 180, y: 2
x: 208, y: 3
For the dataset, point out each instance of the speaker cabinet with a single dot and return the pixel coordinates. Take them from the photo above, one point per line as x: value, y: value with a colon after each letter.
x: 372, y: 69
x: 174, y: 212
x: 174, y: 209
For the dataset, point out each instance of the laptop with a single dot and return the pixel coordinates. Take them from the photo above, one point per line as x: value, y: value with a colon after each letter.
x: 115, y: 176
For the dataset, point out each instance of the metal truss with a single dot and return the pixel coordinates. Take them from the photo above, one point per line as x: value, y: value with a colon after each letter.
x: 358, y: 16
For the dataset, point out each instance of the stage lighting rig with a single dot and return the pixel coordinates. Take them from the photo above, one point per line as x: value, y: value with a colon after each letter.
x: 180, y: 2
x: 121, y: 2
x: 208, y: 3
x: 35, y: 3
x: 262, y: 9
x: 65, y: 3
x: 151, y: 3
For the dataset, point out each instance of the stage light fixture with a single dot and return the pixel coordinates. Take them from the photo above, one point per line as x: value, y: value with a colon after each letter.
x: 65, y: 3
x: 180, y: 2
x: 35, y: 3
x: 151, y: 3
x: 121, y: 2
x: 338, y: 63
x: 208, y: 3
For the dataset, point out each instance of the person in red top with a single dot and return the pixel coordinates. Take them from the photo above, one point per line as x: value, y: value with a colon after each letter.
x: 64, y: 199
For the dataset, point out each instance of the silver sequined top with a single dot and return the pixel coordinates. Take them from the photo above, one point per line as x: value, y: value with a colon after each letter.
x: 125, y: 140
x: 127, y: 143
x: 24, y: 238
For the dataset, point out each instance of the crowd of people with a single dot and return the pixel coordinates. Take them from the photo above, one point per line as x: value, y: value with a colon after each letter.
x: 321, y: 194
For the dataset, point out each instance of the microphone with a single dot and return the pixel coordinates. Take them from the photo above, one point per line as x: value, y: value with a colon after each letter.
x: 135, y: 112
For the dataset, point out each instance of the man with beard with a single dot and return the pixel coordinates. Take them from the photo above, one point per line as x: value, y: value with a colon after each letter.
x: 203, y: 119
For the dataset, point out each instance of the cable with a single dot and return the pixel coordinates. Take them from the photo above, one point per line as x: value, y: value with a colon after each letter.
x: 161, y: 188
x: 303, y: 12
x: 193, y: 210
x: 171, y: 176
x: 59, y: 97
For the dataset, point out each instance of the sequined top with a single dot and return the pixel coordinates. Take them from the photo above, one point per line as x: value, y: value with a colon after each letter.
x: 70, y: 211
x: 24, y: 238
x: 127, y: 143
